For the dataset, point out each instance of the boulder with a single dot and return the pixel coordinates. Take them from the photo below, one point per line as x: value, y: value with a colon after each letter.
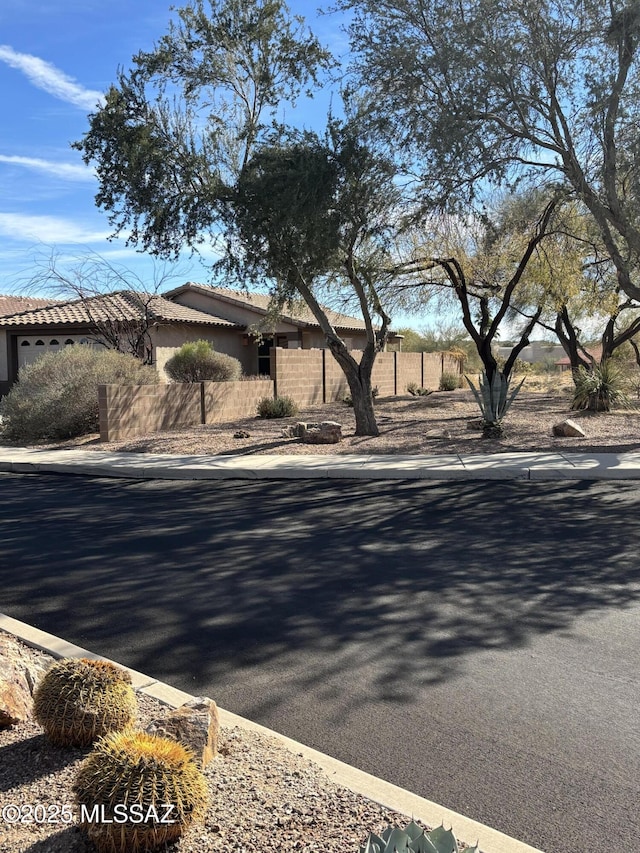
x: 19, y: 673
x: 327, y: 432
x: 568, y: 429
x: 195, y: 725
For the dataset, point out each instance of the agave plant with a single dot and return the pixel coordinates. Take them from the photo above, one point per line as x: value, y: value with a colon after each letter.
x: 413, y: 839
x: 494, y: 400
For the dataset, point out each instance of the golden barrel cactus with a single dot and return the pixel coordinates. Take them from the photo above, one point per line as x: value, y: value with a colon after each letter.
x: 138, y: 791
x: 79, y: 700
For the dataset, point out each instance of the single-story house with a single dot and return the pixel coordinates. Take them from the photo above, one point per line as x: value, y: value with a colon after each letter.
x: 235, y: 322
x: 27, y: 334
x: 295, y: 328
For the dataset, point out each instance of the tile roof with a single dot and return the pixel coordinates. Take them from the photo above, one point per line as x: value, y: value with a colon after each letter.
x: 125, y: 305
x: 302, y: 316
x: 13, y: 304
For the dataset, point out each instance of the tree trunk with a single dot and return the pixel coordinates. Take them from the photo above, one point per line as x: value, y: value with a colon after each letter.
x: 358, y: 376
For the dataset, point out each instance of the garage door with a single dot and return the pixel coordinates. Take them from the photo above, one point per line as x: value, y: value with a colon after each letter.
x: 32, y: 347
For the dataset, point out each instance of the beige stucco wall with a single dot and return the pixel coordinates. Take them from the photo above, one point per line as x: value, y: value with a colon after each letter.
x: 235, y: 313
x: 167, y: 339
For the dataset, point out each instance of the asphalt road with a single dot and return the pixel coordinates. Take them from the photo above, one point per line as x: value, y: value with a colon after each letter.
x: 475, y: 642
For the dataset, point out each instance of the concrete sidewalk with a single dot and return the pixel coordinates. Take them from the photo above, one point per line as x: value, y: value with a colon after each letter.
x: 499, y: 466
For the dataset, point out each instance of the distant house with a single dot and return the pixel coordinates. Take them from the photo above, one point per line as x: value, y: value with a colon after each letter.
x: 236, y: 323
x: 536, y: 352
x: 564, y: 363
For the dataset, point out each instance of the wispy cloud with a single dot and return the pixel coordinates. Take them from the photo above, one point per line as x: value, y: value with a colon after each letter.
x: 47, y: 229
x: 46, y: 76
x: 66, y: 171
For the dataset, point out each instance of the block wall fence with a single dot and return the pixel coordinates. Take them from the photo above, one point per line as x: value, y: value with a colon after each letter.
x: 309, y: 377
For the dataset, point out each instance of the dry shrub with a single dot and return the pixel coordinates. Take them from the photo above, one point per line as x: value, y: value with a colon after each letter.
x: 56, y: 397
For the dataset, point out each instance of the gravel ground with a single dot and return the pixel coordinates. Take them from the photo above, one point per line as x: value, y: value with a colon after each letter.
x: 436, y: 424
x: 263, y: 797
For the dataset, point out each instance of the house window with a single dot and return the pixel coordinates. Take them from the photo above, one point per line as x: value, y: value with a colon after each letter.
x: 54, y: 343
x: 39, y: 343
x: 69, y: 342
x: 25, y: 344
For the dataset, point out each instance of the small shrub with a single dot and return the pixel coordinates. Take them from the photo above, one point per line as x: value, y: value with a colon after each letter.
x: 449, y: 381
x: 150, y: 772
x: 56, y: 396
x: 79, y: 700
x: 277, y: 407
x: 600, y: 389
x: 197, y: 361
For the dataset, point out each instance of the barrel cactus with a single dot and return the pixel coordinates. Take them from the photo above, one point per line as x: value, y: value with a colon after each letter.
x: 78, y: 700
x: 413, y: 839
x: 138, y: 791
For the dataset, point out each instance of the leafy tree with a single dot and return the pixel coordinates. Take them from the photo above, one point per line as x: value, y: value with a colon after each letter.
x: 477, y: 92
x: 484, y: 264
x: 314, y: 216
x: 188, y: 151
x: 176, y: 130
x: 487, y: 265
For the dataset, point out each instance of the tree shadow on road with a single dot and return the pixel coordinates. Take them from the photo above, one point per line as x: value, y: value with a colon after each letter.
x: 381, y: 588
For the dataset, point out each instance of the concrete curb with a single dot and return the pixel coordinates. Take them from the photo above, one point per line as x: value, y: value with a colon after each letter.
x: 384, y: 793
x: 499, y: 466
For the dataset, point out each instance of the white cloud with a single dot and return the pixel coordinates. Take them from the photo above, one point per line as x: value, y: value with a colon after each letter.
x: 67, y: 171
x: 47, y: 229
x: 46, y: 76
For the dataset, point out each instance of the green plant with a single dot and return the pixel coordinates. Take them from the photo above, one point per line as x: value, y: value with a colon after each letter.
x: 413, y: 839
x: 132, y: 775
x: 197, y: 361
x: 79, y: 700
x: 277, y: 407
x: 56, y: 396
x: 449, y: 381
x: 600, y: 388
x: 494, y: 400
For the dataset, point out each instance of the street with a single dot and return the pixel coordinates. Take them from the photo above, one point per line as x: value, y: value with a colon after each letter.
x: 475, y: 642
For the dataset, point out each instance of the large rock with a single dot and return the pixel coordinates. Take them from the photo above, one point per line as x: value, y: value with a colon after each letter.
x: 195, y: 725
x: 19, y: 673
x: 568, y: 429
x: 325, y: 432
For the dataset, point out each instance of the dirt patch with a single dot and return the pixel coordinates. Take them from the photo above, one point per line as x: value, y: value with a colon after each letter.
x: 437, y: 424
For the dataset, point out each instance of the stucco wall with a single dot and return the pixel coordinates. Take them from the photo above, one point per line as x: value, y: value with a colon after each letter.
x: 238, y: 314
x: 167, y: 339
x: 311, y: 376
x: 129, y: 410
